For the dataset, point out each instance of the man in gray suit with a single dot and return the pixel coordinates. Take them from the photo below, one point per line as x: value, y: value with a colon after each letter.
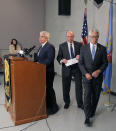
x: 92, y: 63
x: 69, y: 50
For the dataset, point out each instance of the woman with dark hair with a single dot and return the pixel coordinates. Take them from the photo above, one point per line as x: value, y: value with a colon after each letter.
x: 14, y: 48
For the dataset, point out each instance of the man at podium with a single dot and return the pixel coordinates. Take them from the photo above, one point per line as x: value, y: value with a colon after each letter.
x: 46, y: 55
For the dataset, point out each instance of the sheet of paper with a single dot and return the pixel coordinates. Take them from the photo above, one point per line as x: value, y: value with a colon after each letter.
x: 71, y: 62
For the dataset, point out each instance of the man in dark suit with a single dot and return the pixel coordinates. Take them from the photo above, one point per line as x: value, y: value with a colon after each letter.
x: 46, y: 55
x: 92, y: 63
x: 69, y: 50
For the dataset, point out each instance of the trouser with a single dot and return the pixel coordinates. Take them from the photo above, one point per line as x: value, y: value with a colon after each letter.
x: 50, y: 93
x: 66, y: 81
x: 91, y: 95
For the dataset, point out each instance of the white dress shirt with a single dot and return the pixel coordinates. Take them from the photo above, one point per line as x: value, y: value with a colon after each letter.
x: 69, y: 48
x: 41, y: 47
x: 44, y: 44
x: 91, y: 45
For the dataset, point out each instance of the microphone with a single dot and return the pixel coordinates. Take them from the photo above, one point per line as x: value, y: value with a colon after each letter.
x: 28, y: 51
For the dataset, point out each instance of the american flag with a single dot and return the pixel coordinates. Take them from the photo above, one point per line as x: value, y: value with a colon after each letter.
x: 84, y: 34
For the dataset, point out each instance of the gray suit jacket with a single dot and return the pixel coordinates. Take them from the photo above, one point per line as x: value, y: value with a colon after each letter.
x: 87, y: 65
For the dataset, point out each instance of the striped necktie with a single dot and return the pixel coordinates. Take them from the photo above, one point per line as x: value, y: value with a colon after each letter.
x: 93, y: 52
x: 72, y: 52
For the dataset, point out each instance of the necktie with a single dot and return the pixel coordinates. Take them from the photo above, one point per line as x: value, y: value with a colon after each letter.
x: 93, y: 52
x: 72, y: 52
x: 39, y: 50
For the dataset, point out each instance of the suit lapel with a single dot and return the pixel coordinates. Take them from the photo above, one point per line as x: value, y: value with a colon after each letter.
x: 67, y: 51
x: 97, y: 51
x: 89, y: 52
x: 75, y: 49
x: 43, y: 49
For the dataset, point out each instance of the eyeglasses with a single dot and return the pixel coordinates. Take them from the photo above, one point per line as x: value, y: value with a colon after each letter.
x: 69, y: 36
x: 94, y: 36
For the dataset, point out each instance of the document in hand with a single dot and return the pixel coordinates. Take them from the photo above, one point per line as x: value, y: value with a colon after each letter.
x: 71, y: 62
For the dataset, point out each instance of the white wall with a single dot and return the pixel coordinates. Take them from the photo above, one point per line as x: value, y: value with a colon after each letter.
x: 96, y: 17
x: 21, y: 19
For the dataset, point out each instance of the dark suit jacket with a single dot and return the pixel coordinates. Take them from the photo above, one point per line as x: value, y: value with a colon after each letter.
x: 46, y: 56
x: 64, y: 54
x: 87, y: 65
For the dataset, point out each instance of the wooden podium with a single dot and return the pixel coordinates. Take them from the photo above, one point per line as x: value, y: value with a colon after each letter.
x: 28, y: 90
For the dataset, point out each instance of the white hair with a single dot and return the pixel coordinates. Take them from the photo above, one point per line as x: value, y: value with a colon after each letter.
x: 93, y: 30
x: 46, y: 34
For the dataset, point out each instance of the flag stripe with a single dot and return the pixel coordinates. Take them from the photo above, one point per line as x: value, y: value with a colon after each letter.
x: 84, y: 34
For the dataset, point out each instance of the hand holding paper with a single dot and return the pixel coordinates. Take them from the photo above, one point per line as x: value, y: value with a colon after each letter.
x: 71, y: 62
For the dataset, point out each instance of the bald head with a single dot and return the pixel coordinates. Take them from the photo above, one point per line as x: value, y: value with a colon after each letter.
x: 70, y: 36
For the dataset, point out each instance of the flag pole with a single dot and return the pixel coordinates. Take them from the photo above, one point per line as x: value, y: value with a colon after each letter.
x: 85, y: 2
x: 108, y: 104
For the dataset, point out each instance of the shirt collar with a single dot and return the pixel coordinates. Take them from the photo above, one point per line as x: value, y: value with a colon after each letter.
x: 93, y: 44
x: 43, y: 44
x: 70, y: 43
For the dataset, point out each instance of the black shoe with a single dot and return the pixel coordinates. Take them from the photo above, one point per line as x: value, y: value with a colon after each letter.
x: 92, y: 115
x: 87, y: 122
x: 48, y: 111
x: 81, y: 106
x: 53, y: 110
x: 66, y: 106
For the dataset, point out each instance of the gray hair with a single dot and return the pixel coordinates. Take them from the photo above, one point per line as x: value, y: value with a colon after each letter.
x: 93, y: 30
x: 46, y: 34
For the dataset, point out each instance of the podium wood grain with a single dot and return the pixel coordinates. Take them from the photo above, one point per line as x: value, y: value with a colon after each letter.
x: 28, y: 86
